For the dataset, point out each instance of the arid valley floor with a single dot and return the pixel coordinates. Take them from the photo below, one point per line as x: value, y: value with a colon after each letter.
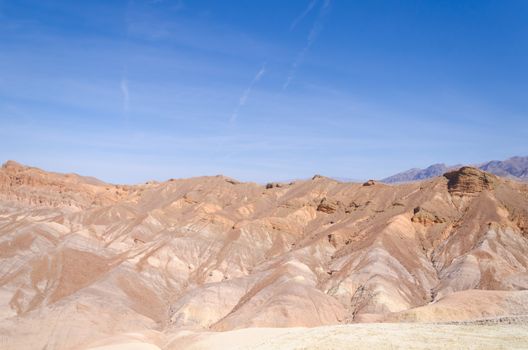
x: 213, y: 263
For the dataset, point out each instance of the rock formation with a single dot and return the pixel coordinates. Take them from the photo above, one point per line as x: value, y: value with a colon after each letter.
x: 82, y: 260
x: 469, y: 180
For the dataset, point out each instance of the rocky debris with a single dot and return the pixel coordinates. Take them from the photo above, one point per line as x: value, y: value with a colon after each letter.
x: 469, y: 180
x: 329, y: 206
x: 369, y: 183
x: 271, y: 185
x: 339, y: 239
x: 425, y: 217
x: 232, y: 181
x: 520, y: 319
x: 352, y: 206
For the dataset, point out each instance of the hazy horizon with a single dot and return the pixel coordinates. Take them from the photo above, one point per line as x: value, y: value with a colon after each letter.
x: 261, y: 91
x: 263, y: 181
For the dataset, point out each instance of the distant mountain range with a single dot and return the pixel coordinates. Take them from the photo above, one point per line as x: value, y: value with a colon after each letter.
x: 515, y: 168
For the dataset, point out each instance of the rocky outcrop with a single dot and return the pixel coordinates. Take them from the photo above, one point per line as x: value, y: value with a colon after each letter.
x: 329, y: 206
x: 37, y: 187
x: 425, y: 217
x: 271, y: 185
x: 469, y: 180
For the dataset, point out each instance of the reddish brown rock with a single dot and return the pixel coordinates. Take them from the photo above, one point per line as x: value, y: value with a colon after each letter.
x: 469, y: 180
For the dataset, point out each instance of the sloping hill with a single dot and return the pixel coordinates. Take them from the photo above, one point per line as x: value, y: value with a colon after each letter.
x: 82, y: 261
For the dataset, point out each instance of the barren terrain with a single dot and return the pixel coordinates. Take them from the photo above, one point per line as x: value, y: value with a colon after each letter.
x: 86, y: 264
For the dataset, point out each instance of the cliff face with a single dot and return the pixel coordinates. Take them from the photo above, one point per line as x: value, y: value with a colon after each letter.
x: 82, y: 260
x: 33, y: 186
x: 468, y: 180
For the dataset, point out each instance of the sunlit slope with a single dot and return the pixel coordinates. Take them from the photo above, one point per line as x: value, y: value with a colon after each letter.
x: 82, y: 260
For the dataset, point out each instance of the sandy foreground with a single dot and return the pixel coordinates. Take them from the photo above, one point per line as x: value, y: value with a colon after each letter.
x: 357, y: 336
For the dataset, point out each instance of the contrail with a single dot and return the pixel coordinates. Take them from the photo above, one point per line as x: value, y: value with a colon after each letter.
x: 246, y: 93
x: 296, y: 21
x: 312, y: 36
x: 125, y: 93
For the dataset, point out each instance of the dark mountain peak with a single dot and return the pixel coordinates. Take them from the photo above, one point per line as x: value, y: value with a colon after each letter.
x: 515, y: 168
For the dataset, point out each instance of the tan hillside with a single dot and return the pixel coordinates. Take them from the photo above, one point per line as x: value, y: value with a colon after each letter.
x: 82, y: 261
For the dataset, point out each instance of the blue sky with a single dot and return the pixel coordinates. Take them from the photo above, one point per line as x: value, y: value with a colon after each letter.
x: 261, y: 90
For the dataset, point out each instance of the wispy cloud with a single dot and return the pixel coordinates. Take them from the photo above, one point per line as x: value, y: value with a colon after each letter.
x: 245, y: 95
x: 312, y: 36
x: 297, y: 20
x: 125, y: 94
